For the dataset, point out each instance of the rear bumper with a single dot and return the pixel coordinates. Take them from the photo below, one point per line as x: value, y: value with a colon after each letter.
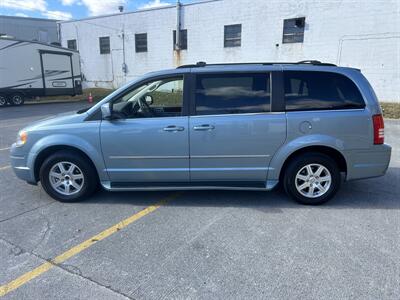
x: 368, y: 163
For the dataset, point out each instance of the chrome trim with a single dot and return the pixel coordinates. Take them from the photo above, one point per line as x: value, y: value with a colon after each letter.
x: 21, y: 168
x: 17, y: 157
x: 245, y: 114
x: 229, y: 156
x: 187, y: 157
x: 148, y: 157
x: 182, y: 169
x: 325, y: 110
x: 230, y: 169
x: 147, y: 170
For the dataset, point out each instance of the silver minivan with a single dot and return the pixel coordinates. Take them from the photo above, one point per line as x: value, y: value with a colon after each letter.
x: 306, y: 125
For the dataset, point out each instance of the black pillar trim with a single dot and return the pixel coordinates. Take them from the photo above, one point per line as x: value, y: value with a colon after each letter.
x: 278, y: 93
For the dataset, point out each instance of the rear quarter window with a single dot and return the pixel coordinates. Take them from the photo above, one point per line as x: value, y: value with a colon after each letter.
x: 306, y: 90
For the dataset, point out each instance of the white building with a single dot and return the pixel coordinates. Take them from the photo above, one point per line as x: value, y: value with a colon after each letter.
x: 360, y: 33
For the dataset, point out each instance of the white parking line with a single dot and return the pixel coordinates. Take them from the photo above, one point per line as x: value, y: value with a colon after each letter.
x: 8, y: 148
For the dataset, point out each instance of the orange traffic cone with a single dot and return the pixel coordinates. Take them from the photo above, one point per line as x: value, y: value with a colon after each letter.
x: 90, y: 98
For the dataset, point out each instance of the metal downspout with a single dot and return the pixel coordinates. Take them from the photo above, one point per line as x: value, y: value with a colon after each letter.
x: 177, y: 46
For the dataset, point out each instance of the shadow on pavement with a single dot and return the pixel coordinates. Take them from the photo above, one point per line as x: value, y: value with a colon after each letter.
x: 378, y: 193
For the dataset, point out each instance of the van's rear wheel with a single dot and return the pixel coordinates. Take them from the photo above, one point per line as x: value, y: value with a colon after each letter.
x: 17, y: 99
x: 68, y: 177
x: 3, y: 100
x: 312, y: 178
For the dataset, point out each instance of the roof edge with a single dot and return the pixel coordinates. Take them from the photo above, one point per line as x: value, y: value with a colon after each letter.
x: 169, y: 6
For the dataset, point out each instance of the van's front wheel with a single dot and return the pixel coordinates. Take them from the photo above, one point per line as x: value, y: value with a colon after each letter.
x: 67, y: 177
x: 312, y: 178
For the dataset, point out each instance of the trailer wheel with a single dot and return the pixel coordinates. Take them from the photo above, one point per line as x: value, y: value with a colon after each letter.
x: 3, y: 100
x: 17, y: 99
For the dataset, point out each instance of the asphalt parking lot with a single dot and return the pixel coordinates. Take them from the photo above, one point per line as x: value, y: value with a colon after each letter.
x: 197, y: 244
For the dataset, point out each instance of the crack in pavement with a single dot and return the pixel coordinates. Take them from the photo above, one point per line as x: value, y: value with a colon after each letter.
x: 30, y: 210
x: 44, y: 234
x: 63, y: 267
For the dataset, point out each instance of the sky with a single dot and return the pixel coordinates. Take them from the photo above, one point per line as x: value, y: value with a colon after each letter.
x: 75, y: 9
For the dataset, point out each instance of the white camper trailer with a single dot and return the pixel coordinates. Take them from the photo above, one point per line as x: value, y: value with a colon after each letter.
x: 30, y: 68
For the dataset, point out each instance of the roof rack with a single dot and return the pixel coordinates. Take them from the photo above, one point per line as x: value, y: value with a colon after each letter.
x: 201, y: 64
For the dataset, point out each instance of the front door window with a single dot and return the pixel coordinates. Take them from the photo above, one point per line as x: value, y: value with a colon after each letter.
x: 155, y: 99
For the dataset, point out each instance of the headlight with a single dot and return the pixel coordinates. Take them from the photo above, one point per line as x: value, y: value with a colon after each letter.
x: 21, y: 138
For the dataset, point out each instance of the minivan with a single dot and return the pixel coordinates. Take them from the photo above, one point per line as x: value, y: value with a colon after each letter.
x: 306, y: 126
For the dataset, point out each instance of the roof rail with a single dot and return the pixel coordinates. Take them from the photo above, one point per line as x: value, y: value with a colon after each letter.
x: 201, y: 64
x: 315, y: 62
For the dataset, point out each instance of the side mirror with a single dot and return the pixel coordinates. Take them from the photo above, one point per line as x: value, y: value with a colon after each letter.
x: 106, y: 111
x: 149, y: 100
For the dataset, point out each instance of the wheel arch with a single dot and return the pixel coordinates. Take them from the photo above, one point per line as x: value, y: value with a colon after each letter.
x: 46, y: 152
x: 335, y: 154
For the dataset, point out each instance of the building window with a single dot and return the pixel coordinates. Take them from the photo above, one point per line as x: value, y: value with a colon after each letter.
x: 183, y: 39
x: 233, y: 35
x: 104, y: 45
x: 293, y: 30
x: 141, y: 42
x: 71, y: 44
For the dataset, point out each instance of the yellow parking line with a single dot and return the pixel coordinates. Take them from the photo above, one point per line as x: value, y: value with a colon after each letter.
x: 5, y: 168
x: 16, y: 283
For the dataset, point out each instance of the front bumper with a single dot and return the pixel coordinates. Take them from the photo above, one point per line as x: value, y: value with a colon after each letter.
x: 368, y: 163
x: 20, y: 164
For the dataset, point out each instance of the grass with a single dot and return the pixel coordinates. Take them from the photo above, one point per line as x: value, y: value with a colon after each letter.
x: 391, y: 110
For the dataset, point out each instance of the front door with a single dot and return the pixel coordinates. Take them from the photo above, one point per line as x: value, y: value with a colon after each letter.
x: 233, y: 134
x: 149, y: 142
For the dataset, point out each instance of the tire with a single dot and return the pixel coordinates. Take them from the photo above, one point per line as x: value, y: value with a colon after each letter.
x: 3, y: 100
x: 17, y: 99
x: 71, y: 187
x: 303, y: 183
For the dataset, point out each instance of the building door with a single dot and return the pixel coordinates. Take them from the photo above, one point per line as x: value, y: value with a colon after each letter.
x: 57, y: 72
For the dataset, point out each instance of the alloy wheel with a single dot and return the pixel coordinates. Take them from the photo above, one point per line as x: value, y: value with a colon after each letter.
x: 66, y: 178
x: 313, y: 180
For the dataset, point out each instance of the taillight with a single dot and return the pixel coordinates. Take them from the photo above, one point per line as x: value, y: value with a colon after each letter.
x: 379, y: 129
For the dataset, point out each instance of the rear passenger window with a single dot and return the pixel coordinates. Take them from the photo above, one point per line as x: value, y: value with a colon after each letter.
x: 306, y: 90
x: 232, y: 93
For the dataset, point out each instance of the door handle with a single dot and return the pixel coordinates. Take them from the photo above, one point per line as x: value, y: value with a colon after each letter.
x: 173, y: 128
x: 204, y: 127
